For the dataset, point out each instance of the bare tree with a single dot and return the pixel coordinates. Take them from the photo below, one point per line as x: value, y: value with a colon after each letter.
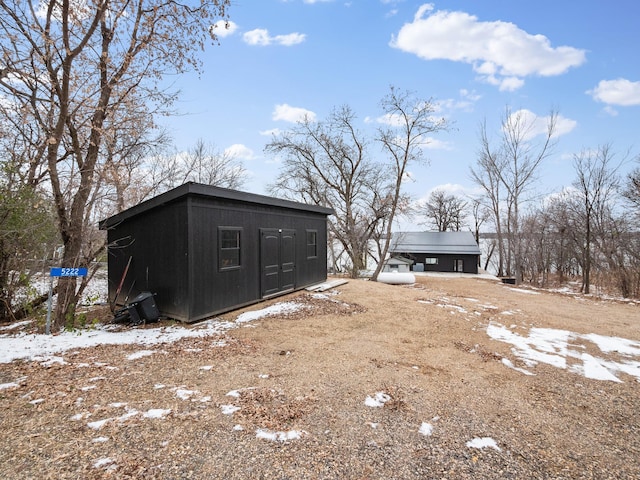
x: 515, y: 162
x: 582, y: 231
x: 445, y: 212
x: 631, y: 191
x: 410, y: 122
x: 523, y: 157
x: 617, y: 249
x: 204, y: 163
x: 539, y: 246
x: 81, y: 69
x: 486, y: 175
x: 596, y: 182
x: 381, y: 209
x: 150, y: 169
x: 557, y: 213
x: 326, y: 163
x: 126, y: 177
x: 480, y: 215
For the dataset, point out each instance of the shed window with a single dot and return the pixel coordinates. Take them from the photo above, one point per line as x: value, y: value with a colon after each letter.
x: 229, y: 247
x: 312, y: 243
x: 431, y: 261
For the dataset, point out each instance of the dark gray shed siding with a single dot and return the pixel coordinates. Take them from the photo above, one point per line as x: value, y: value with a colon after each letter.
x: 157, y: 243
x: 446, y: 262
x: 174, y: 248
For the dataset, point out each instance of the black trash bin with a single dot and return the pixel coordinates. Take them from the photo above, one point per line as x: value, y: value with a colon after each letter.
x: 146, y: 307
x: 134, y: 317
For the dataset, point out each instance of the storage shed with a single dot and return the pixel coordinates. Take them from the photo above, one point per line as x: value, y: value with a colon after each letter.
x: 438, y: 251
x: 397, y: 264
x: 204, y: 250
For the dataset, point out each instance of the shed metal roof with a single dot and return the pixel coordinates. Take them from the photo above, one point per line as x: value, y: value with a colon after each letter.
x: 399, y: 261
x: 435, y: 242
x: 199, y: 189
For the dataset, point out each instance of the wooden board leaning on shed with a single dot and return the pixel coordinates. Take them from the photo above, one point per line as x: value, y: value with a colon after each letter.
x: 321, y: 287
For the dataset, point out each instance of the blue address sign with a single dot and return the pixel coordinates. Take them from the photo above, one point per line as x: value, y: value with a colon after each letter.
x: 68, y: 272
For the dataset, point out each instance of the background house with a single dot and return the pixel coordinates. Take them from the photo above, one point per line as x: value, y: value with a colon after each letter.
x: 437, y: 251
x: 397, y: 264
x: 204, y: 250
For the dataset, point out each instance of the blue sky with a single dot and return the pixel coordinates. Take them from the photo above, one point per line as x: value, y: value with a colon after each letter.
x: 474, y: 58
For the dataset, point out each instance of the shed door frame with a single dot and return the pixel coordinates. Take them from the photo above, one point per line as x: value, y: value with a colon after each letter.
x: 277, y: 260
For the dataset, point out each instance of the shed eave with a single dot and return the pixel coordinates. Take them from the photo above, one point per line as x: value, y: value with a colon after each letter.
x: 192, y: 188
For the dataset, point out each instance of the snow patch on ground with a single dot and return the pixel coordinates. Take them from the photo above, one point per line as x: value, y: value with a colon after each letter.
x: 566, y: 350
x: 140, y: 354
x: 277, y: 309
x: 157, y: 413
x: 522, y: 290
x: 4, y: 386
x: 103, y: 462
x: 266, y: 434
x: 39, y: 347
x: 426, y: 429
x: 483, y: 442
x: 377, y: 401
x: 184, y: 394
x: 229, y: 409
x: 509, y: 363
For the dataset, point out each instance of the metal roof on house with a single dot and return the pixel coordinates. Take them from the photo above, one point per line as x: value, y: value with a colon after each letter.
x: 434, y: 242
x: 199, y: 189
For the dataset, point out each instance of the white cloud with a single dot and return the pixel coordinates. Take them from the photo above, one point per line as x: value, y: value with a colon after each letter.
x: 393, y: 120
x: 470, y: 96
x: 465, y: 102
x: 291, y: 114
x: 621, y: 92
x: 270, y: 132
x: 563, y: 125
x: 237, y: 150
x: 501, y: 53
x: 261, y: 37
x: 224, y: 28
x: 610, y: 111
x: 564, y: 194
x: 273, y: 161
x: 290, y: 39
x: 431, y: 143
x: 510, y: 84
x: 408, y: 176
x: 535, y: 125
x: 455, y: 189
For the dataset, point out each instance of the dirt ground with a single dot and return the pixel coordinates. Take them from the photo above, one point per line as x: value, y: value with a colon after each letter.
x: 199, y: 408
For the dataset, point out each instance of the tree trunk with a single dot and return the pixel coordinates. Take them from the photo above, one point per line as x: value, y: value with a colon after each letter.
x: 586, y: 272
x: 67, y: 298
